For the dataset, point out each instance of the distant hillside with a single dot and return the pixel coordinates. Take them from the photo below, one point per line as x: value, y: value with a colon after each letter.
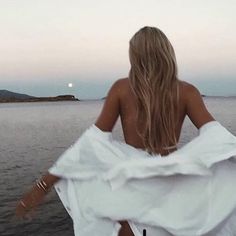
x: 8, y: 94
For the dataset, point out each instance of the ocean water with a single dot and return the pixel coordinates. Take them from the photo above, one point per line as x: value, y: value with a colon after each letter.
x: 32, y: 137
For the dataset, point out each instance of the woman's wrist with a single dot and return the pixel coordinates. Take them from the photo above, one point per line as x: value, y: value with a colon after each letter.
x: 48, y: 180
x: 31, y: 199
x: 43, y: 186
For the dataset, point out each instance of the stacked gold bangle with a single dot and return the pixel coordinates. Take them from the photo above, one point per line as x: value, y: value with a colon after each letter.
x: 42, y: 185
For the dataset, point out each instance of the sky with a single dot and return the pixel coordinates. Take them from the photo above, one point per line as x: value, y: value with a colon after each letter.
x: 47, y: 44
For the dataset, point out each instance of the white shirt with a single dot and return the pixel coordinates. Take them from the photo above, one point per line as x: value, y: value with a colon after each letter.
x: 189, y: 192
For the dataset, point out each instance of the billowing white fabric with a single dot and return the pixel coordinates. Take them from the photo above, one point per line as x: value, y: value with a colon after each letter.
x: 189, y: 192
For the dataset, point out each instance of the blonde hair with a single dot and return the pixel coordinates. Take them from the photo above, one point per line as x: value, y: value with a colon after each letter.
x: 153, y: 80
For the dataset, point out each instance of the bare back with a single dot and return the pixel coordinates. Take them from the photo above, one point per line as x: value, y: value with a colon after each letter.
x: 189, y: 104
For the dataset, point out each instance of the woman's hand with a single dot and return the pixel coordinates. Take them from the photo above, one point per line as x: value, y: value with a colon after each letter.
x: 35, y: 196
x: 26, y: 206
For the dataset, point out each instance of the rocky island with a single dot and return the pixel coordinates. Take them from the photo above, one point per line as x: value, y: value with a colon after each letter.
x: 8, y: 96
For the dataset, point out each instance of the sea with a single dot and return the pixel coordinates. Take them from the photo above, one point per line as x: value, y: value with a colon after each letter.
x: 34, y: 135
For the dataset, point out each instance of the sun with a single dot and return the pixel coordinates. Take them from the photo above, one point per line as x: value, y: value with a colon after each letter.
x: 70, y: 85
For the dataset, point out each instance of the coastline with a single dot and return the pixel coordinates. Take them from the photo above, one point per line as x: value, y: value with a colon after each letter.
x: 39, y: 99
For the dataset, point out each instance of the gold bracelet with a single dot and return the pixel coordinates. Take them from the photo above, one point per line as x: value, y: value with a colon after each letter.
x: 23, y: 204
x: 42, y: 185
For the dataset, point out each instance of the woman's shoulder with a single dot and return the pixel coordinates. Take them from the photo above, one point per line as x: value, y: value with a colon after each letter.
x: 184, y: 84
x: 121, y: 82
x: 186, y: 88
x: 123, y: 85
x: 118, y: 86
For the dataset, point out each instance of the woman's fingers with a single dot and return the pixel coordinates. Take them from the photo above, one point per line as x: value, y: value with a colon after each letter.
x: 25, y: 207
x: 29, y: 216
x: 21, y: 209
x: 24, y: 213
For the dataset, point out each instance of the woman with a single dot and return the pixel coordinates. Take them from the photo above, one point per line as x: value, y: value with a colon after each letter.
x: 152, y: 104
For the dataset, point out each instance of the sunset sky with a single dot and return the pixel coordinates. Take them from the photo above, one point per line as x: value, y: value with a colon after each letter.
x: 47, y: 44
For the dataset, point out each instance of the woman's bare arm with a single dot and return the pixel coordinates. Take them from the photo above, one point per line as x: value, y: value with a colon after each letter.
x: 105, y: 122
x: 195, y: 107
x: 111, y: 108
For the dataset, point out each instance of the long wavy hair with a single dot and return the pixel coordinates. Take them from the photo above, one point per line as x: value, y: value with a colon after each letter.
x: 153, y: 80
